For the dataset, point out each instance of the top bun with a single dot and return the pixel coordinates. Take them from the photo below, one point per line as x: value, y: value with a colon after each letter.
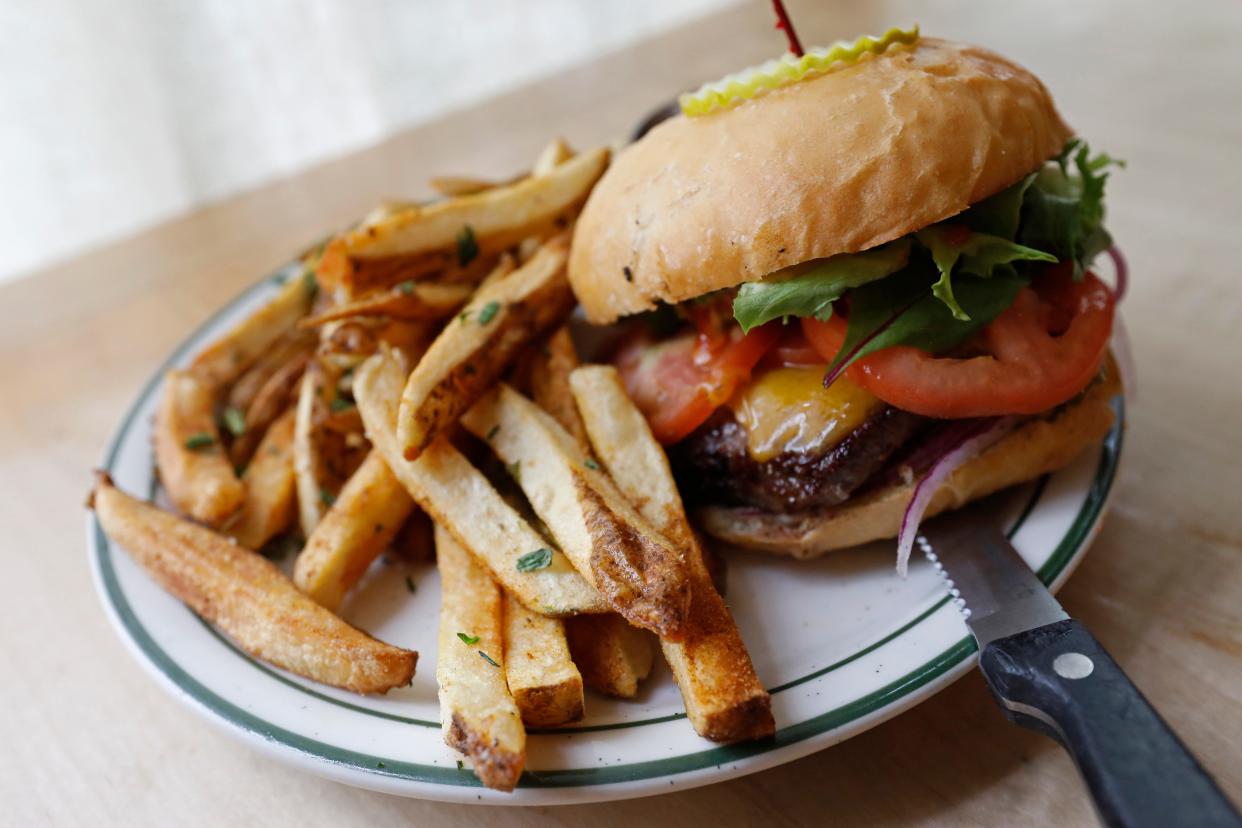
x: 834, y: 164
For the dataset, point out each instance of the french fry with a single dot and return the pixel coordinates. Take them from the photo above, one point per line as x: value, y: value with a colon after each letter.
x: 460, y: 498
x: 361, y: 524
x: 226, y: 359
x: 271, y: 399
x: 192, y: 464
x: 343, y: 345
x: 640, y: 573
x: 478, y: 344
x: 363, y: 275
x: 724, y: 698
x: 527, y: 249
x: 479, y: 716
x: 612, y: 655
x: 541, y: 675
x: 386, y: 208
x: 271, y: 492
x: 495, y: 218
x: 408, y: 300
x: 441, y: 239
x: 452, y: 186
x: 311, y: 503
x: 277, y: 392
x: 548, y: 376
x: 242, y: 393
x: 328, y: 442
x: 335, y: 272
x: 557, y: 152
x: 248, y: 598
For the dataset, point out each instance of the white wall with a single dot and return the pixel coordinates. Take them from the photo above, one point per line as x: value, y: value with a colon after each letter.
x: 117, y: 114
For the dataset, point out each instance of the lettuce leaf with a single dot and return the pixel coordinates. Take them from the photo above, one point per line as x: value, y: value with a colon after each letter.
x: 810, y: 290
x: 1063, y: 209
x: 903, y: 311
x: 956, y: 247
x: 1000, y: 214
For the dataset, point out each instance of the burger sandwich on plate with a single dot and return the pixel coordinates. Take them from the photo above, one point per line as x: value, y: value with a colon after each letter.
x: 857, y: 290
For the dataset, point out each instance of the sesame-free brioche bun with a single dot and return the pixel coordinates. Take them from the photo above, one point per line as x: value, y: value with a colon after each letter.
x: 834, y: 164
x: 1036, y: 447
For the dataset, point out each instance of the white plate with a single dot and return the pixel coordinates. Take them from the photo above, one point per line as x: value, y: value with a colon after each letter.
x: 847, y: 645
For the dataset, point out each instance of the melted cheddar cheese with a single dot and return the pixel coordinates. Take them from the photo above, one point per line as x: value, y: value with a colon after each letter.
x: 788, y: 409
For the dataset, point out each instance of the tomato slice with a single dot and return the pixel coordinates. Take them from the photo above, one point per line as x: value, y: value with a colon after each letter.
x: 1037, y: 354
x: 677, y: 383
x: 794, y: 350
x: 826, y: 337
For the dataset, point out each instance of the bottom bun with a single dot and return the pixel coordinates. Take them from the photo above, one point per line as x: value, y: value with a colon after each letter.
x: 1034, y: 448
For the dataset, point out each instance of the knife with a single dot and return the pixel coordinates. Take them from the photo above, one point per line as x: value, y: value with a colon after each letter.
x: 1051, y: 675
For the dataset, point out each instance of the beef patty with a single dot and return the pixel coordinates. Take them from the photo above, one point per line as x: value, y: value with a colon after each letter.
x: 713, y: 465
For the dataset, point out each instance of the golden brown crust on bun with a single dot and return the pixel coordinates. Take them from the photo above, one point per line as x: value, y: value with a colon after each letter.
x: 1037, y: 447
x: 835, y: 164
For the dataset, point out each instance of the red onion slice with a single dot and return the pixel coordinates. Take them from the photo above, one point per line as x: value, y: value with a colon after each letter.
x: 1120, y: 342
x: 913, y: 463
x: 971, y: 444
x: 1122, y: 269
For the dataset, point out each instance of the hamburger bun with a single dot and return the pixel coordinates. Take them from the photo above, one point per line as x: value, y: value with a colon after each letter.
x: 834, y: 164
x: 1035, y: 448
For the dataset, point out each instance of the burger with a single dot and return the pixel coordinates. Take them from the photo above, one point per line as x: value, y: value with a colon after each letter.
x: 855, y: 290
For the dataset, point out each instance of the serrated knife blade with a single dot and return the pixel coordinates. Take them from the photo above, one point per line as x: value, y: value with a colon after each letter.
x: 987, y: 578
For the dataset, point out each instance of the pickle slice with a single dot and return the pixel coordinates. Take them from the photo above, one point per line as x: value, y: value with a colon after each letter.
x: 788, y: 69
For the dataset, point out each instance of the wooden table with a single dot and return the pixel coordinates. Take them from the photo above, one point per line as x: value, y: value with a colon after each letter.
x: 88, y: 738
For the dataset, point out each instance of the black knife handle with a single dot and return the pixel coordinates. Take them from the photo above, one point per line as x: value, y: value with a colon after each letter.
x: 1057, y: 679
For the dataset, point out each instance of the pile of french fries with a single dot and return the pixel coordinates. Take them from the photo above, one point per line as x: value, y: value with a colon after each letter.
x: 422, y: 368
